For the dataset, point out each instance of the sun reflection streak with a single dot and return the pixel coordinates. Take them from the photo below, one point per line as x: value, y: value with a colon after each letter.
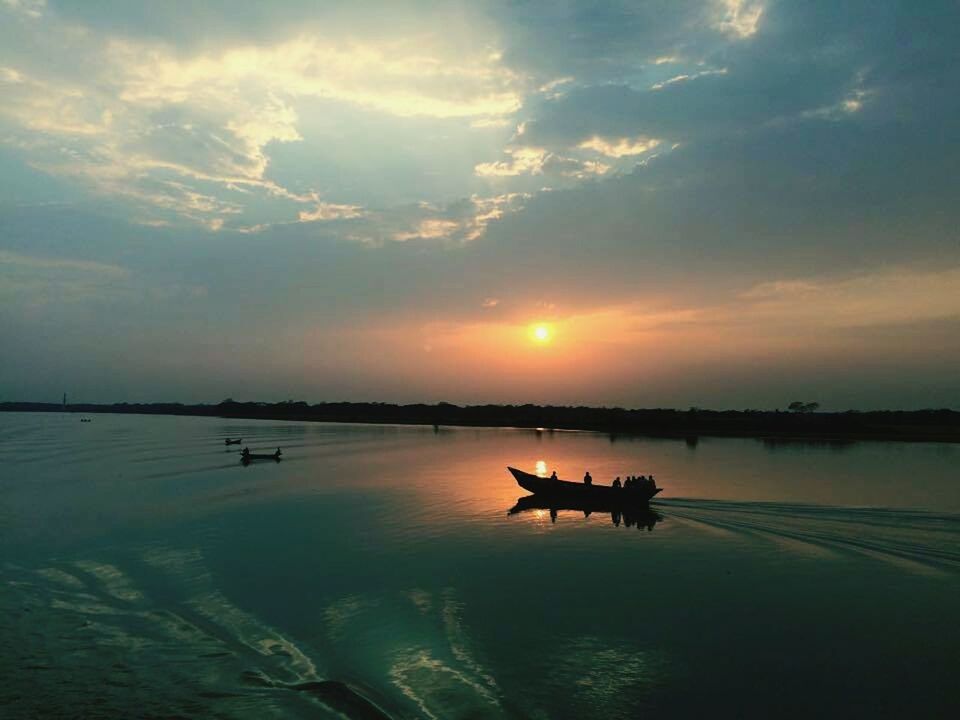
x: 541, y: 468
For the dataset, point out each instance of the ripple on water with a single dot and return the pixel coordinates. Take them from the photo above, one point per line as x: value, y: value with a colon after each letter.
x: 89, y: 638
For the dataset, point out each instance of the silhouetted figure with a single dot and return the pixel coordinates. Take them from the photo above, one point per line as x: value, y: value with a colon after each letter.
x: 653, y: 484
x: 245, y: 452
x: 553, y: 515
x: 588, y: 478
x: 628, y: 483
x: 553, y: 476
x: 615, y: 516
x: 617, y: 483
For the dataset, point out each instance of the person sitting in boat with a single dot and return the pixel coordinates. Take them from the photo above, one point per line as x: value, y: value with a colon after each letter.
x: 245, y: 451
x: 653, y: 484
x: 617, y: 483
x: 553, y: 476
x: 587, y: 478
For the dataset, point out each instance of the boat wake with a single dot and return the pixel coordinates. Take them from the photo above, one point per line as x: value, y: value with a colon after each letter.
x: 914, y: 540
x: 91, y: 636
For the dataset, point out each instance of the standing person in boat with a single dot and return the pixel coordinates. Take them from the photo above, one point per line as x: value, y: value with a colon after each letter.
x: 617, y: 483
x: 588, y: 478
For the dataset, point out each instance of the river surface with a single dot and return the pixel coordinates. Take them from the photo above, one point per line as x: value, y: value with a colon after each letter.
x: 375, y: 572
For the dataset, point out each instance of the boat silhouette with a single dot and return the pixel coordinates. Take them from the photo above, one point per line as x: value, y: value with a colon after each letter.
x: 637, y: 496
x: 246, y: 457
x: 230, y: 441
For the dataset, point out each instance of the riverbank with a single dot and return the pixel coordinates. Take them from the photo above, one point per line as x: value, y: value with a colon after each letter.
x: 898, y: 425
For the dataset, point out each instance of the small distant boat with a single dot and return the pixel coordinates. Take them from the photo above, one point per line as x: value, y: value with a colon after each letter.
x: 84, y: 419
x: 229, y: 441
x: 247, y: 457
x: 638, y: 496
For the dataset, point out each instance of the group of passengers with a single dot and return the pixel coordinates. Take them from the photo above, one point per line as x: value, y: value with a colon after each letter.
x: 633, y: 482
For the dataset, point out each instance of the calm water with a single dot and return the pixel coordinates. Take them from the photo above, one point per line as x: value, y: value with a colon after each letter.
x: 145, y: 572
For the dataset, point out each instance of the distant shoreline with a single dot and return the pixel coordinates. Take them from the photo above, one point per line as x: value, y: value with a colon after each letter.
x: 850, y: 426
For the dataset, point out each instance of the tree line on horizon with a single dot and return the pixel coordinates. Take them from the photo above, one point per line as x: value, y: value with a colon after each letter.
x: 799, y: 418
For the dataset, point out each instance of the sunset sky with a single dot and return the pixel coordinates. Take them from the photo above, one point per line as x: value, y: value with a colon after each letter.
x: 721, y: 203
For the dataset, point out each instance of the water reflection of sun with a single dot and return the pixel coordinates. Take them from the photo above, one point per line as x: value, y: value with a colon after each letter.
x: 541, y: 468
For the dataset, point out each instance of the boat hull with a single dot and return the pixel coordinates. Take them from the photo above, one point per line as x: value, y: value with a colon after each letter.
x: 599, y: 494
x: 250, y: 457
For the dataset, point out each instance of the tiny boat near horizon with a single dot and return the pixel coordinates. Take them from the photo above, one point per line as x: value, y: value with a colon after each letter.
x: 247, y: 457
x: 230, y: 441
x: 638, y: 496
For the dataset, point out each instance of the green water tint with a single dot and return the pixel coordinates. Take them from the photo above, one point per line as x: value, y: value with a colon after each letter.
x: 375, y: 572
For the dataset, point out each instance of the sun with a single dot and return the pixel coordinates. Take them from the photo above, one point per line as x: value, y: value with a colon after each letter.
x: 541, y: 333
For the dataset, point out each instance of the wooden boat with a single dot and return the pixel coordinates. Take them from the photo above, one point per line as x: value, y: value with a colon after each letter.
x: 638, y: 496
x: 228, y: 441
x: 247, y: 457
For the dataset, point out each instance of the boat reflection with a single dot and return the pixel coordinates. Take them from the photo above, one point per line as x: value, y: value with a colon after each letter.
x: 629, y: 516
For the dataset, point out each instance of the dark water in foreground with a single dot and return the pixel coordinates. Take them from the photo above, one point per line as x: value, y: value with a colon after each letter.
x: 146, y: 573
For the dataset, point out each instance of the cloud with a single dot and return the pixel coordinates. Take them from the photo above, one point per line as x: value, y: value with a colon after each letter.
x: 406, y: 79
x: 619, y: 147
x: 430, y: 229
x: 331, y: 211
x: 52, y: 107
x: 11, y: 260
x: 888, y: 297
x: 32, y: 9
x: 459, y: 222
x: 149, y: 113
x: 739, y: 18
x: 523, y: 161
x: 30, y: 283
x: 687, y: 77
x: 537, y: 161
